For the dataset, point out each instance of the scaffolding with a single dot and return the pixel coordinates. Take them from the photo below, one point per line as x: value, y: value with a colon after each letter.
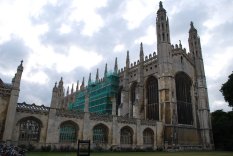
x: 100, y: 94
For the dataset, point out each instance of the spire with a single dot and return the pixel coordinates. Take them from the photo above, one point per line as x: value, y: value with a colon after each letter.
x: 82, y: 85
x: 127, y: 59
x: 160, y: 5
x: 67, y: 92
x: 72, y: 89
x: 20, y: 67
x: 116, y: 66
x: 60, y: 83
x: 106, y: 70
x: 141, y: 52
x: 192, y: 28
x: 55, y: 87
x: 89, y: 80
x: 180, y: 45
x: 162, y: 25
x: 77, y: 86
x: 161, y: 9
x: 97, y: 75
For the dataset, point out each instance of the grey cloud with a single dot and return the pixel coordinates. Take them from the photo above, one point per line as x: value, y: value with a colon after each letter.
x: 12, y: 52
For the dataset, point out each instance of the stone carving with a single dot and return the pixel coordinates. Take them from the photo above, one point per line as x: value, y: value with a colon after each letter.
x: 70, y: 113
x: 101, y: 117
x: 32, y: 108
x: 126, y: 120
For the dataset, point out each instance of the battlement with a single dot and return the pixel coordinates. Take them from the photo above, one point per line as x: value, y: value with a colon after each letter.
x: 178, y: 50
x: 32, y: 108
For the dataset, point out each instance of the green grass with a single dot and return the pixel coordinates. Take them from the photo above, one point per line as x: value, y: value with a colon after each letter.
x: 134, y: 154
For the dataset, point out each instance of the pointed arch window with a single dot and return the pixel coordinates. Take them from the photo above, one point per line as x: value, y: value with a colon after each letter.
x: 152, y: 99
x: 148, y: 137
x: 133, y: 92
x: 126, y: 136
x: 68, y: 132
x: 29, y: 130
x: 183, y: 96
x: 100, y: 134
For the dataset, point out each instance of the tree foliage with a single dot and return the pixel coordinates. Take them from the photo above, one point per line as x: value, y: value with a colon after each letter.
x: 227, y: 90
x: 222, y: 125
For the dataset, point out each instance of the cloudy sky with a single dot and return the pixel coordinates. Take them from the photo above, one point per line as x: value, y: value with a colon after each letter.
x: 71, y: 38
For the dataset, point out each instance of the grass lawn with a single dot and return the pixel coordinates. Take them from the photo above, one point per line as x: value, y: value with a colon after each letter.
x: 135, y: 154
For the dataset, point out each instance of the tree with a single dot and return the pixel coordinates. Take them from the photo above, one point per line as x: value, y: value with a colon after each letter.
x: 227, y: 90
x: 222, y: 126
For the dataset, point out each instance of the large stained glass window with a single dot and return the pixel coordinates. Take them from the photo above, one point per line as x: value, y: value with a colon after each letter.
x: 183, y: 96
x: 152, y: 99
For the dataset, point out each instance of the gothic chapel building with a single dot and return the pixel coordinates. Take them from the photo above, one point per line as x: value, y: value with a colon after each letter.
x: 160, y: 101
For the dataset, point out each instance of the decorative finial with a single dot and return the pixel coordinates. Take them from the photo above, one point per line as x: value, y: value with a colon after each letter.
x: 191, y: 24
x: 77, y: 86
x: 67, y: 93
x: 97, y: 75
x: 106, y: 70
x: 127, y: 57
x: 180, y: 45
x: 160, y: 4
x: 72, y: 89
x: 89, y: 80
x: 192, y: 28
x: 55, y: 84
x: 20, y: 67
x: 141, y: 50
x: 116, y: 66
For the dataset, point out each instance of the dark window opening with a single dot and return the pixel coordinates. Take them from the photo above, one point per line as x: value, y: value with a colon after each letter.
x: 152, y: 98
x: 133, y: 92
x: 148, y: 137
x: 29, y: 130
x: 68, y: 133
x: 183, y: 96
x: 100, y: 134
x: 126, y: 136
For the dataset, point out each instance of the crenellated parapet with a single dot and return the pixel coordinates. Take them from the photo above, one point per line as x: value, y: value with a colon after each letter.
x: 178, y: 50
x: 32, y: 108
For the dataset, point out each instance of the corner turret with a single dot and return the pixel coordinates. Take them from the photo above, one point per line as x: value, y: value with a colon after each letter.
x: 11, y: 110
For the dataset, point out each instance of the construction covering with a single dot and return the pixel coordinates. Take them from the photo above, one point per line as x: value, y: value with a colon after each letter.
x: 99, y: 94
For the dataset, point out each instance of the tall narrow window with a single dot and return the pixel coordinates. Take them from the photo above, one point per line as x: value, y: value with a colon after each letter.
x: 29, y: 130
x: 148, y: 137
x: 133, y: 92
x: 183, y: 96
x: 68, y: 132
x: 152, y: 99
x: 126, y: 136
x: 118, y: 99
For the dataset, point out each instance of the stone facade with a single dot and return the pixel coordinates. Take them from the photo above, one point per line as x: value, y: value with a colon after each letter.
x: 162, y: 103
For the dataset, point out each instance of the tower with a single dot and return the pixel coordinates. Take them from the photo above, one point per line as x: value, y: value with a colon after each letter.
x: 166, y: 82
x: 140, y: 93
x: 200, y: 88
x: 11, y: 110
x: 54, y: 99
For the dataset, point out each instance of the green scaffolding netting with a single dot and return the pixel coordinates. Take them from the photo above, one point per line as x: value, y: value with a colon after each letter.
x: 100, y: 94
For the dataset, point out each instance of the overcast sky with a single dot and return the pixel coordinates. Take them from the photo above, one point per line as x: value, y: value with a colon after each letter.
x: 71, y: 38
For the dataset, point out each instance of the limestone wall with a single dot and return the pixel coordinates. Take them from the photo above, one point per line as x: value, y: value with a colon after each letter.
x: 4, y: 100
